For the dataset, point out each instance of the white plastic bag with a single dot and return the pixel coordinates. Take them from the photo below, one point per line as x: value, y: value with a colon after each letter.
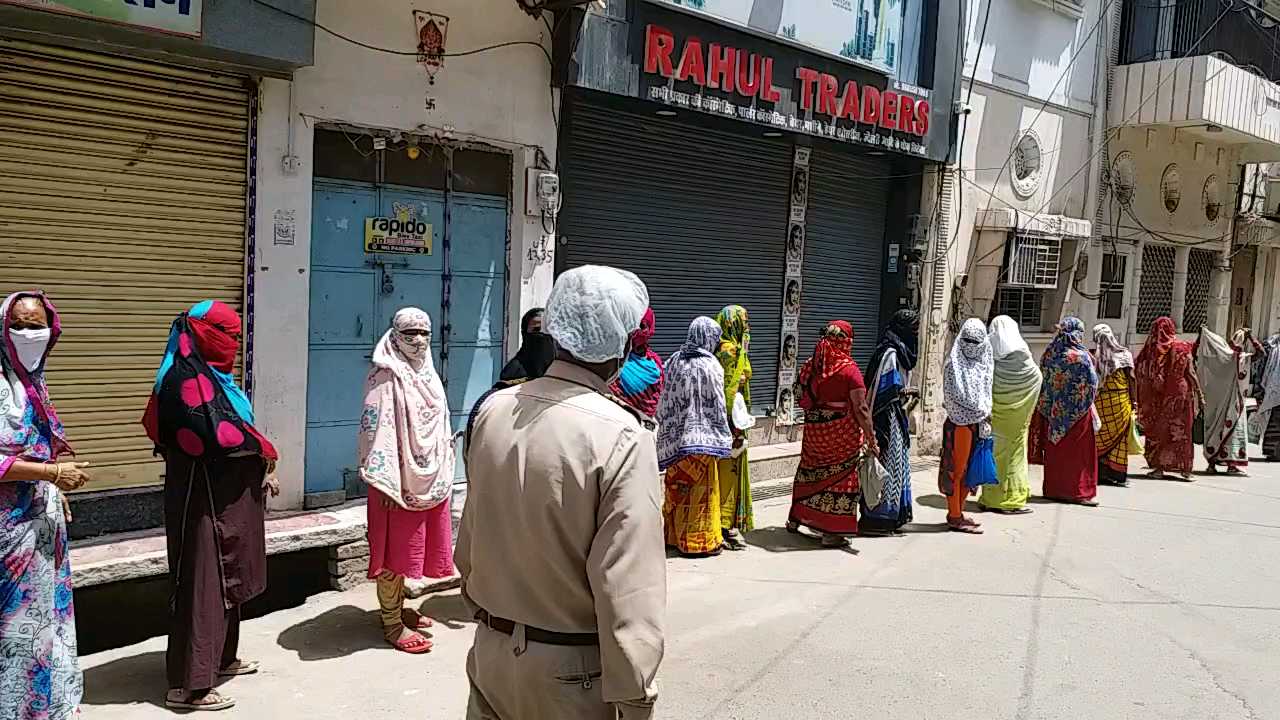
x: 743, y: 420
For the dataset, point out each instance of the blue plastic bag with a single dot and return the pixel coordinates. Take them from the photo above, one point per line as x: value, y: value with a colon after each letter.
x: 982, y: 465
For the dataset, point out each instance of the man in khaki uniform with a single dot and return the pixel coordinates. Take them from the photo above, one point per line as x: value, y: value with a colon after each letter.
x: 561, y: 547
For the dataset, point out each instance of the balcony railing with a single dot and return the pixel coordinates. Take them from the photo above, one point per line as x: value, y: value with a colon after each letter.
x: 1235, y: 30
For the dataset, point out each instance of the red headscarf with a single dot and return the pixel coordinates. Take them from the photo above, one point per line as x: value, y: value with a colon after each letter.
x: 831, y: 357
x: 1161, y: 371
x: 641, y: 337
x: 217, y: 336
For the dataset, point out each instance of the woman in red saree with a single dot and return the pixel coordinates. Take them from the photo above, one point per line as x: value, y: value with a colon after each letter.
x: 837, y: 428
x: 1167, y: 390
x: 1063, y: 434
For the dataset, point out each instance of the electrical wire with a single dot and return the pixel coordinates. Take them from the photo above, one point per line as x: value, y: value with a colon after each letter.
x: 391, y: 51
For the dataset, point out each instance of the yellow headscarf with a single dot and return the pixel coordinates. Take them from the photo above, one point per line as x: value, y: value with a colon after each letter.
x: 735, y: 343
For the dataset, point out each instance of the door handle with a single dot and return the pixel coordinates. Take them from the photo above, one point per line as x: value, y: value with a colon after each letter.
x: 359, y: 326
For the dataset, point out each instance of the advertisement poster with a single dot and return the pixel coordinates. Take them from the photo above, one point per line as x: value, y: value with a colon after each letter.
x: 180, y: 17
x: 392, y: 235
x: 793, y: 290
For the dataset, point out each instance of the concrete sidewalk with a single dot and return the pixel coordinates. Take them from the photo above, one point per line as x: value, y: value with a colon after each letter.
x: 1163, y: 603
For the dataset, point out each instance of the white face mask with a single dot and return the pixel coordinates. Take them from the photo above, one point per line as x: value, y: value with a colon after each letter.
x: 30, y: 345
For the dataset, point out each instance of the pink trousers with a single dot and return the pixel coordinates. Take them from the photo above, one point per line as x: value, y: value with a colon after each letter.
x: 408, y: 543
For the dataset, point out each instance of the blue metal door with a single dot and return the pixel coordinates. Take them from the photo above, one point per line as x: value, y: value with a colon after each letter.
x: 355, y: 294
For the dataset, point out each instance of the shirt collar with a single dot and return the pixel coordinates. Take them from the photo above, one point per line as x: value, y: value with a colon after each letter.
x: 574, y: 373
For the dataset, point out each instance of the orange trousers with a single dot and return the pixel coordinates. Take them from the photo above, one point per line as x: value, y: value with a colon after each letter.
x: 961, y: 449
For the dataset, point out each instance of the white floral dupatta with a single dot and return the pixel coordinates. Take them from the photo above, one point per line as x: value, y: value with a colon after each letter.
x: 405, y: 444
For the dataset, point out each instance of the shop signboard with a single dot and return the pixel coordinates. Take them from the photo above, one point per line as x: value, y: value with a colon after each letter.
x: 394, y: 235
x: 867, y: 31
x: 690, y: 64
x: 178, y: 17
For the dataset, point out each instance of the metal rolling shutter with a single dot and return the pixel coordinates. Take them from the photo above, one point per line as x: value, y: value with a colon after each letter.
x: 122, y: 195
x: 699, y: 215
x: 844, y: 248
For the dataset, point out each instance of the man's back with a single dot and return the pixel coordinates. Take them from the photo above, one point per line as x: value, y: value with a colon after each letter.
x: 563, y: 524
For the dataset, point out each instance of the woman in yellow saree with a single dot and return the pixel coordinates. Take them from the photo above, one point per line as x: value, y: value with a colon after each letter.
x: 1015, y: 389
x: 1117, y: 438
x: 735, y: 484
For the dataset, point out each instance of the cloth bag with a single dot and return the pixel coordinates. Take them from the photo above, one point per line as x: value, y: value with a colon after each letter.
x: 871, y: 478
x: 982, y: 465
x: 742, y: 418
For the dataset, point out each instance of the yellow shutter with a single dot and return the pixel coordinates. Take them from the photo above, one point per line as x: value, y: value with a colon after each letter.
x: 122, y: 195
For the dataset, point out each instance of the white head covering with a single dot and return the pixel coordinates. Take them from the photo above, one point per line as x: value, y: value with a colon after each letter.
x: 1112, y: 356
x: 593, y: 310
x: 967, y: 377
x: 1006, y: 339
x: 405, y: 445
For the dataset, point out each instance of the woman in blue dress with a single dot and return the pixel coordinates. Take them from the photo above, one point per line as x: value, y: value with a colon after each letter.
x: 890, y: 399
x: 39, y: 674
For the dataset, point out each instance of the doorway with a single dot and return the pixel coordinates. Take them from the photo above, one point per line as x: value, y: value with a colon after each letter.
x: 456, y: 200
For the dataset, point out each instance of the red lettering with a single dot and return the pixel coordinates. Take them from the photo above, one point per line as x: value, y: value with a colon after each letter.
x: 748, y: 75
x: 922, y: 118
x: 888, y: 109
x: 870, y: 105
x: 906, y: 114
x: 827, y: 86
x: 692, y: 65
x: 721, y: 62
x: 768, y: 92
x: 849, y: 103
x: 659, y: 43
x: 807, y: 78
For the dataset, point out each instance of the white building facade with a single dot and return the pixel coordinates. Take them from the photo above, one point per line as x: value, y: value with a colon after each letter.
x: 365, y: 133
x: 1017, y: 207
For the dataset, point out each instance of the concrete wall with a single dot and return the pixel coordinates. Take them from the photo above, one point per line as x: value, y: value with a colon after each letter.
x: 501, y: 98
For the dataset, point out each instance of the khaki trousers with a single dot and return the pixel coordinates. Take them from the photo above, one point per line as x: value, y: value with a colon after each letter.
x: 512, y: 679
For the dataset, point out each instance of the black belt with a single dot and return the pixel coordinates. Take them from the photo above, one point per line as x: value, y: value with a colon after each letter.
x: 533, y: 634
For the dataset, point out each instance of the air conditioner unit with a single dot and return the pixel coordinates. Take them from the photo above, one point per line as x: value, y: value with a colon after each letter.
x: 1033, y: 261
x: 1271, y: 203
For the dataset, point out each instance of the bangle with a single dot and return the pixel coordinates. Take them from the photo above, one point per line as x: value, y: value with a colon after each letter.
x: 57, y: 475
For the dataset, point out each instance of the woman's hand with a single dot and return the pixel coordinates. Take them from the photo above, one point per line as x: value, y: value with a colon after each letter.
x: 69, y: 476
x: 269, y: 483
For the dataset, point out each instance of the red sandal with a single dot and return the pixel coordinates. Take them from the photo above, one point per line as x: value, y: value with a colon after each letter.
x: 414, y: 644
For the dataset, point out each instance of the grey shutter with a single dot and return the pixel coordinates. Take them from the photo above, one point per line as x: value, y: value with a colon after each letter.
x: 844, y: 252
x: 700, y: 215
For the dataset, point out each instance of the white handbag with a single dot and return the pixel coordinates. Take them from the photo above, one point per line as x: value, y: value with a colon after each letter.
x: 871, y: 479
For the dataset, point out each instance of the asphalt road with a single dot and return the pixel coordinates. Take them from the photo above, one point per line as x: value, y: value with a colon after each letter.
x: 1162, y: 603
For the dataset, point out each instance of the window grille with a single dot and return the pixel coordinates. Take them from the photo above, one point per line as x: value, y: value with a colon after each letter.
x: 1199, y: 270
x: 1155, y: 292
x: 1024, y: 305
x: 1033, y: 262
x: 1111, y: 289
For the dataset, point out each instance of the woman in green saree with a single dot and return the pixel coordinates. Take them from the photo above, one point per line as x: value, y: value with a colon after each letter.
x: 735, y: 484
x: 1015, y: 390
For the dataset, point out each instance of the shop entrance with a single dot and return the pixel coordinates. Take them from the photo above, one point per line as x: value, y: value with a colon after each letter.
x: 456, y: 274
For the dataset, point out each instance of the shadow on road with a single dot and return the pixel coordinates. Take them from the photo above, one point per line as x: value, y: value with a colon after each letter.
x: 778, y: 540
x: 448, y: 610
x: 340, y: 632
x: 127, y: 681
x: 939, y: 502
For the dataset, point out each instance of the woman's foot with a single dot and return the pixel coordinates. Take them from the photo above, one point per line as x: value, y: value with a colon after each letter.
x: 733, y: 540
x: 239, y: 667
x: 415, y: 620
x: 964, y: 525
x: 793, y: 527
x: 834, y: 541
x: 1156, y: 475
x: 1236, y: 471
x: 1012, y: 511
x: 204, y: 700
x: 1088, y: 503
x: 1184, y: 477
x: 410, y: 641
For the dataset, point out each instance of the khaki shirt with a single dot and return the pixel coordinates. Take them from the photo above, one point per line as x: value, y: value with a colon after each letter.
x: 563, y: 522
